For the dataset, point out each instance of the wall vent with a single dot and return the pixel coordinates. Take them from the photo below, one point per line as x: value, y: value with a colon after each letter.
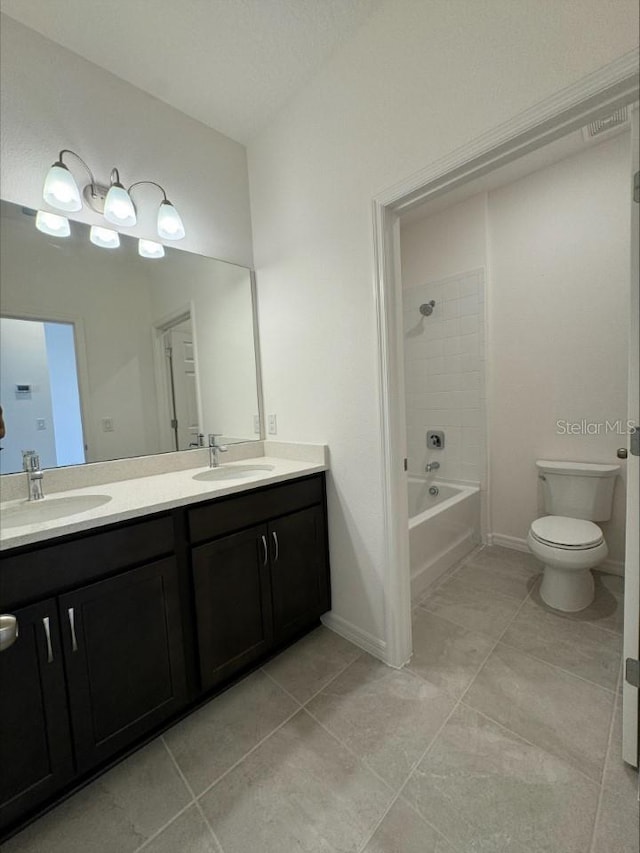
x: 607, y: 124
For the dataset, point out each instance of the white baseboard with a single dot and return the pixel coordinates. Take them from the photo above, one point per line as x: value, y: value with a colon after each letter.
x: 363, y: 639
x: 436, y: 567
x: 612, y: 567
x: 512, y: 542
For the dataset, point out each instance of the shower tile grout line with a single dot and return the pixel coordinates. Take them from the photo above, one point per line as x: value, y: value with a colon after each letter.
x: 435, y: 738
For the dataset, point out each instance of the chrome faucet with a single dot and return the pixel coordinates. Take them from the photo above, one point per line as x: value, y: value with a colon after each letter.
x: 31, y: 464
x: 215, y: 449
x: 431, y: 466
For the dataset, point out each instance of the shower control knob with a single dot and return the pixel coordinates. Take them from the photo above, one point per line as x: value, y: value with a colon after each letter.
x: 621, y: 453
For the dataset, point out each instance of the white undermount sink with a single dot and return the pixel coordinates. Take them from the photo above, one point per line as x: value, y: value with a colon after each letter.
x: 233, y: 472
x: 49, y: 509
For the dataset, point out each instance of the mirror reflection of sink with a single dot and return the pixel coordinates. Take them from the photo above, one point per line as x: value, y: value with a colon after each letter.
x: 235, y: 472
x: 33, y: 512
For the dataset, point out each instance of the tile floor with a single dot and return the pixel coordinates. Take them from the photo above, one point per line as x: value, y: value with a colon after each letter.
x: 502, y: 735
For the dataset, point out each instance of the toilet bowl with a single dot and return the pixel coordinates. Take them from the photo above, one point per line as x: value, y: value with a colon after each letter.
x: 569, y: 549
x: 569, y: 544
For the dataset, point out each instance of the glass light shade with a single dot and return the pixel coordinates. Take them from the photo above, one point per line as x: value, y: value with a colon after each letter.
x: 51, y: 223
x: 170, y: 225
x: 104, y: 237
x: 150, y: 249
x: 118, y: 207
x: 60, y: 189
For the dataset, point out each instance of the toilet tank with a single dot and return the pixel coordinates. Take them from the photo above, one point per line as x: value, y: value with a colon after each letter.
x: 578, y: 489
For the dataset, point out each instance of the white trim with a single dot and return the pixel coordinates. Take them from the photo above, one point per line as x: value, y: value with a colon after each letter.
x: 595, y: 95
x: 355, y: 635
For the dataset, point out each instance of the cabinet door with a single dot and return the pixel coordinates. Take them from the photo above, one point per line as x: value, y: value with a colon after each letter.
x: 35, y: 745
x: 124, y: 656
x: 233, y: 606
x: 298, y: 571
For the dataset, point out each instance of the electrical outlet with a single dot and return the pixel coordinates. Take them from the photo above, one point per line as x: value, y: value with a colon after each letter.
x: 107, y: 425
x: 256, y: 424
x: 272, y: 425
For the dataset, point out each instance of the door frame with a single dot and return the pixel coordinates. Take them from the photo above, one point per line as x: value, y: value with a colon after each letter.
x: 595, y: 96
x: 158, y: 330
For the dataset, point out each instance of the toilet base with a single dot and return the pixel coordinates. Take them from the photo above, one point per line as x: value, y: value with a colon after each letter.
x: 568, y: 591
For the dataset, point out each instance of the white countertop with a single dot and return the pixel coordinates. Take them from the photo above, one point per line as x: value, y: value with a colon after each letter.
x: 142, y: 496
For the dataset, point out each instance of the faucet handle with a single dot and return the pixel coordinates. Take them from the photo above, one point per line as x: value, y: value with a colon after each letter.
x: 213, y: 436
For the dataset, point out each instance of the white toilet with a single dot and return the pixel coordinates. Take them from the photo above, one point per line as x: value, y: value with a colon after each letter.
x: 567, y: 541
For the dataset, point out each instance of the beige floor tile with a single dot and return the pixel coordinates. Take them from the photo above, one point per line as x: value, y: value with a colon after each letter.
x: 445, y: 654
x: 607, y: 609
x: 404, y: 831
x: 188, y: 833
x: 515, y: 578
x: 312, y: 662
x: 386, y: 716
x: 496, y: 555
x: 115, y: 814
x: 476, y: 609
x: 556, y: 711
x: 488, y: 791
x: 618, y: 774
x: 577, y: 647
x: 299, y: 791
x: 618, y: 827
x: 212, y: 739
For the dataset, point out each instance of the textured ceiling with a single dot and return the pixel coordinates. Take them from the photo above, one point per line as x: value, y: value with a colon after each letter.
x: 231, y: 64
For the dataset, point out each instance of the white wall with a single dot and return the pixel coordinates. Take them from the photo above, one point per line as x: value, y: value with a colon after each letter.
x: 443, y: 259
x: 54, y: 99
x: 559, y: 304
x: 417, y: 81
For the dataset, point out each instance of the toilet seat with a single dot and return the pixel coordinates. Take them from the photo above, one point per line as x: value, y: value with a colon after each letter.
x: 571, y: 534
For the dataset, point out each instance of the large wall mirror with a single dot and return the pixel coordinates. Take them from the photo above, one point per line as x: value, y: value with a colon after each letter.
x: 105, y: 354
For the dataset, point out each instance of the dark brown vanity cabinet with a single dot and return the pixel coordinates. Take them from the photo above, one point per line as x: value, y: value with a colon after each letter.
x: 115, y: 625
x: 35, y: 739
x: 259, y: 587
x: 124, y: 658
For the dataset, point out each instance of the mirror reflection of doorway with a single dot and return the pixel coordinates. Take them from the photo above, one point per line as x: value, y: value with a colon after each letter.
x: 39, y: 393
x: 181, y: 384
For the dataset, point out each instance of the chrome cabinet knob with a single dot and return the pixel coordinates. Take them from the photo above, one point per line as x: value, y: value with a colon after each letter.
x: 8, y: 631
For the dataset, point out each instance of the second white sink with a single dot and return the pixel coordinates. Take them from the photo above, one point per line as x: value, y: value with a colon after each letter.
x: 233, y: 472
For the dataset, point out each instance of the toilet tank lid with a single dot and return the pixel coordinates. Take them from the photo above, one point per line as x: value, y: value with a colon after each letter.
x: 579, y: 469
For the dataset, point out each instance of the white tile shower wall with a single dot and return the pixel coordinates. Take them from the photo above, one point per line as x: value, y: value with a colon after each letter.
x: 445, y: 375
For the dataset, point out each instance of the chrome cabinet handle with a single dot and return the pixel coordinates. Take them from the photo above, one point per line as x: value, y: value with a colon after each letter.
x: 276, y: 552
x: 47, y: 633
x: 72, y: 626
x: 265, y: 553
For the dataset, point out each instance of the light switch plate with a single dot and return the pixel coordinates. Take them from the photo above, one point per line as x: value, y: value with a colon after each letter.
x: 40, y: 423
x: 107, y: 425
x: 272, y: 425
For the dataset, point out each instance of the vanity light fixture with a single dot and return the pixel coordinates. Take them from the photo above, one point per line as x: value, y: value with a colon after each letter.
x: 52, y: 224
x: 113, y: 202
x: 150, y: 249
x: 106, y: 238
x: 118, y: 207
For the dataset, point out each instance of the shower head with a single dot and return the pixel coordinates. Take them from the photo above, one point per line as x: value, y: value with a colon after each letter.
x: 426, y: 309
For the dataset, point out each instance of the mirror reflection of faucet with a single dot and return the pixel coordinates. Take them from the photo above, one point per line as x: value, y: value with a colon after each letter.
x: 431, y: 466
x: 215, y: 449
x: 31, y: 464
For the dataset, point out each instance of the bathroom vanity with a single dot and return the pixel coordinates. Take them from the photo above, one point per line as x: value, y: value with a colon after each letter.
x: 126, y: 626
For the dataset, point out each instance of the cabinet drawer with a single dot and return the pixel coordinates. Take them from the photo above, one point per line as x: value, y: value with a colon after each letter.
x: 235, y: 513
x: 51, y: 569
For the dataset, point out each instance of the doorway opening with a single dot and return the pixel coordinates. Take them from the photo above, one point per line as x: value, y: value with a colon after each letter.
x: 40, y: 393
x: 178, y: 396
x: 592, y: 99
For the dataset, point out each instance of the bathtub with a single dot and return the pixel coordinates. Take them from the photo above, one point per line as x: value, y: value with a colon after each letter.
x: 443, y: 528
